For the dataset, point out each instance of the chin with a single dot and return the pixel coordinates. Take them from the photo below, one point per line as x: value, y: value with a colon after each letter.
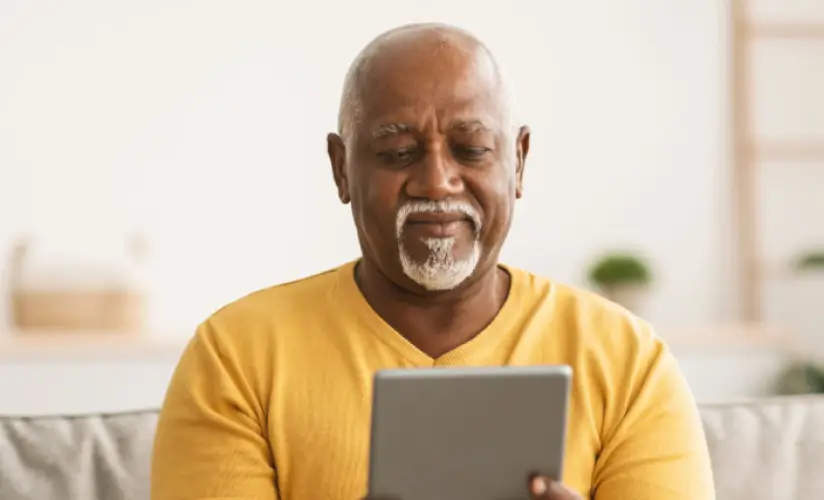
x: 440, y: 271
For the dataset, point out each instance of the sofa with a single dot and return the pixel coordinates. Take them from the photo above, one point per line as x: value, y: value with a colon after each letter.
x: 770, y: 449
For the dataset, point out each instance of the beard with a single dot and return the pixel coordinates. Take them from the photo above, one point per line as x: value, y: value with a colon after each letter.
x: 440, y: 270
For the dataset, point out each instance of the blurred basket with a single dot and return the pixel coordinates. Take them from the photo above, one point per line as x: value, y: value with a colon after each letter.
x: 119, y: 308
x: 106, y: 310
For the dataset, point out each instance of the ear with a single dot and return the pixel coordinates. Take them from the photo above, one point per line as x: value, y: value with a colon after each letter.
x: 521, y: 150
x: 337, y: 157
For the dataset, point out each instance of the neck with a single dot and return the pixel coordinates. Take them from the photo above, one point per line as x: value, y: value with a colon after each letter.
x: 435, y: 322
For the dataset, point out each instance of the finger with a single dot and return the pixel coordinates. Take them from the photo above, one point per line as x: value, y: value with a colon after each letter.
x: 539, y: 487
x: 542, y: 488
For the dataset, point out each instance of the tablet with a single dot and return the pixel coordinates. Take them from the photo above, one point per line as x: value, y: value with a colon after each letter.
x: 466, y: 433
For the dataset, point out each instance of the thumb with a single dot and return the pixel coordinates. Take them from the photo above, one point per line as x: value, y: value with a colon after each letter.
x: 542, y: 488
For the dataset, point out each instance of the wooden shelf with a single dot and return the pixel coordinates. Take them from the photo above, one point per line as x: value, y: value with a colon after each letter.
x: 749, y: 151
x: 788, y: 151
x: 786, y: 30
x: 736, y: 337
x: 14, y: 344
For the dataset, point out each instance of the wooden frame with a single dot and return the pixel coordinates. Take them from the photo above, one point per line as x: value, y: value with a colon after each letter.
x: 804, y: 30
x: 748, y: 152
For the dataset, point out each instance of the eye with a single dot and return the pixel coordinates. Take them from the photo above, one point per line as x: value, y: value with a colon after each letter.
x: 471, y: 153
x: 399, y: 156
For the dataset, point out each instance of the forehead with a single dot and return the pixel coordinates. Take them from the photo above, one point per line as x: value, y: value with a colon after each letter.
x: 454, y: 85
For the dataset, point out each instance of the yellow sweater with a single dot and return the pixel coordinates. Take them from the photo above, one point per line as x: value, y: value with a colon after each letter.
x: 272, y: 396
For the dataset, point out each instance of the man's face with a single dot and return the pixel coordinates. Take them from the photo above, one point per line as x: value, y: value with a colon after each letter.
x: 432, y: 167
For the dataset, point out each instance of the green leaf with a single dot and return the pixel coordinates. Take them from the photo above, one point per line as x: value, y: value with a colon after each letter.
x: 811, y: 260
x: 620, y: 269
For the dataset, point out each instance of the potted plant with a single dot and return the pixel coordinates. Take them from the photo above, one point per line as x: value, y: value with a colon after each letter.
x: 804, y: 296
x: 802, y: 377
x: 812, y: 261
x: 621, y: 277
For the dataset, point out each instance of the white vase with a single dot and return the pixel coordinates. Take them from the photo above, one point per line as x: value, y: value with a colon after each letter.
x: 629, y: 295
x: 807, y: 310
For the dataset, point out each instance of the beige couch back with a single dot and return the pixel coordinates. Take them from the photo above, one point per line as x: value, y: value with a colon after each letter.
x: 770, y: 450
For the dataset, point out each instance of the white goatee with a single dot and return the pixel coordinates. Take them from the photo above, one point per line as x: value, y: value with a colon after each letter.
x: 441, y: 270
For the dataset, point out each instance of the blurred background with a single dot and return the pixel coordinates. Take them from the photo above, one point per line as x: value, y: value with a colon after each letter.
x: 159, y: 159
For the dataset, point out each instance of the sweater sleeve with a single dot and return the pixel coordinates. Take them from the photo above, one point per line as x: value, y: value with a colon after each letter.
x: 654, y: 447
x: 211, y: 441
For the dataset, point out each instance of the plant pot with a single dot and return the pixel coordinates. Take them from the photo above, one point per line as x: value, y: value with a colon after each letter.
x: 807, y: 310
x: 629, y: 295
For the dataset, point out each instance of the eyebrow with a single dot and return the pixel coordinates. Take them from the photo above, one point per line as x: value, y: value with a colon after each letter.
x: 470, y: 126
x: 390, y: 129
x: 466, y: 126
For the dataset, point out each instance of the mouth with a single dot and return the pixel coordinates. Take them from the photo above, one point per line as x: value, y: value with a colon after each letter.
x: 438, y: 225
x: 436, y: 218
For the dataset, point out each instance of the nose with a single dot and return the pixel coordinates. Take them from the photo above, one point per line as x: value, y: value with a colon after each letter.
x: 434, y: 177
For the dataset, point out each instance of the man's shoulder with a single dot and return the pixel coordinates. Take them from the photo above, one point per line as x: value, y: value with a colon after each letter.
x: 591, y: 318
x: 570, y: 298
x: 280, y: 300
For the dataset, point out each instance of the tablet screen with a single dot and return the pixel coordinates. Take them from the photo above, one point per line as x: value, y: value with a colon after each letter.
x: 467, y: 433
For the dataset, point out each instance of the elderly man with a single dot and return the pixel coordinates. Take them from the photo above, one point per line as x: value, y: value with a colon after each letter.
x: 271, y: 398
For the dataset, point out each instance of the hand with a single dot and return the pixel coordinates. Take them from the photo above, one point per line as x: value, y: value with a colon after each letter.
x: 542, y: 488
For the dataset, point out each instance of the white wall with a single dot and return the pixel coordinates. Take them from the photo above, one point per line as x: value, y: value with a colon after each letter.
x: 202, y: 125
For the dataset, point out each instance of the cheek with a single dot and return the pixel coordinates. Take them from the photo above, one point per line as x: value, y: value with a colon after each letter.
x: 496, y: 197
x: 375, y: 201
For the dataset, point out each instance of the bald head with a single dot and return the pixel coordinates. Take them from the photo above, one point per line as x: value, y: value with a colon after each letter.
x: 435, y: 50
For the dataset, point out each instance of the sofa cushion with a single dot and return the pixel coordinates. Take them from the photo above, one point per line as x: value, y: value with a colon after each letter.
x: 767, y: 449
x: 95, y: 457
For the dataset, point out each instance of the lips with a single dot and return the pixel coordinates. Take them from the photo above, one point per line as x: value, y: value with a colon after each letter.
x: 438, y: 229
x: 437, y: 225
x: 436, y: 218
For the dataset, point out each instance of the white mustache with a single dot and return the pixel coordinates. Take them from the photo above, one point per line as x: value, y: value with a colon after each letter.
x: 413, y: 207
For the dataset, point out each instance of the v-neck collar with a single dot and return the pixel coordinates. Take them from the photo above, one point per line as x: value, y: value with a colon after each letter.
x: 474, y: 351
